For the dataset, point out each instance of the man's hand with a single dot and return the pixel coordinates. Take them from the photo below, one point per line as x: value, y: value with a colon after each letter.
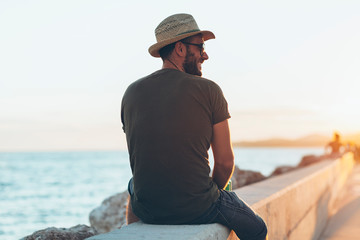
x: 223, y: 154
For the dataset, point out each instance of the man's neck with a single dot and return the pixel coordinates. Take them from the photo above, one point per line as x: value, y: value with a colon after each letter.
x: 172, y: 64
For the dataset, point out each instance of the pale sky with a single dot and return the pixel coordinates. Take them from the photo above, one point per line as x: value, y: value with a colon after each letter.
x: 287, y: 68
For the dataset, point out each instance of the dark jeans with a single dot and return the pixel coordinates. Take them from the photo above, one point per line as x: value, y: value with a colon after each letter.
x: 231, y: 211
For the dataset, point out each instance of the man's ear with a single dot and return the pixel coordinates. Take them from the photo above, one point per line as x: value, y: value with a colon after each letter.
x: 180, y: 49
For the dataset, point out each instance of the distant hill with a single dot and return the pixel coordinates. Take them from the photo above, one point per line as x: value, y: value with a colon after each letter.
x: 313, y: 140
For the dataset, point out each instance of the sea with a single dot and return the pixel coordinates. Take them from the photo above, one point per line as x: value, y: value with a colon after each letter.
x: 59, y: 189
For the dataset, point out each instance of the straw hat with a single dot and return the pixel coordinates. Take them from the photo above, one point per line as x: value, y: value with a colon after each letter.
x: 175, y: 28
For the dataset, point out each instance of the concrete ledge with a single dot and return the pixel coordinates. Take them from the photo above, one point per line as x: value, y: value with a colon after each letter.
x: 139, y: 230
x: 295, y: 205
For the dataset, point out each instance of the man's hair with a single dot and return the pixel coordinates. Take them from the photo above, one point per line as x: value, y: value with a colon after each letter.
x: 166, y: 51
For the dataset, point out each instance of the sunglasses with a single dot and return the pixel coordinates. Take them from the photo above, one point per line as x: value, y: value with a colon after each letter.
x: 201, y: 46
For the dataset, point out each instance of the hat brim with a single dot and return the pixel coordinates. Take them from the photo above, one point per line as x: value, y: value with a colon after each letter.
x: 154, y: 49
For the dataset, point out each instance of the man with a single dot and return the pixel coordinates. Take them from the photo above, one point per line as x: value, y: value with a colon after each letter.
x: 335, y: 146
x: 170, y: 119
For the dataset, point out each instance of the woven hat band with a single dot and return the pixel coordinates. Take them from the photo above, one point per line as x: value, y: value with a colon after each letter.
x: 175, y: 25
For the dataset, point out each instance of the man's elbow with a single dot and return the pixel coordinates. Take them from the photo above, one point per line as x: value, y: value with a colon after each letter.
x: 228, y: 161
x: 231, y: 161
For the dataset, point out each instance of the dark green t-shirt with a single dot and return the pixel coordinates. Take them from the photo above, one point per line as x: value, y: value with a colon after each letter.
x: 168, y: 118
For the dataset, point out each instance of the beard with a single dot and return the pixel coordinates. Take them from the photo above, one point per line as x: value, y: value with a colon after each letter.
x: 190, y: 64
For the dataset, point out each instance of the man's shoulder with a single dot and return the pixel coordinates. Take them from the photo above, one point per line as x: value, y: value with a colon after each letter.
x: 201, y: 80
x: 141, y: 81
x: 209, y: 83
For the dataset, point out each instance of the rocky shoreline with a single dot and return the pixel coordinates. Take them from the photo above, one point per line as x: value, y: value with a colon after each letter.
x: 110, y: 215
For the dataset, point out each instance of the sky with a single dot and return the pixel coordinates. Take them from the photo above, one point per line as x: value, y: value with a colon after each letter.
x: 287, y: 68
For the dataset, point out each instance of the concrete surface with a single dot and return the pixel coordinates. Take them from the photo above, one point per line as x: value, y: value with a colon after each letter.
x: 295, y: 205
x: 139, y: 230
x: 344, y: 224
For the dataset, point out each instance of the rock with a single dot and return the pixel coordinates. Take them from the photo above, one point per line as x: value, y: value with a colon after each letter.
x: 78, y: 232
x: 111, y: 214
x: 245, y: 177
x: 282, y: 169
x: 310, y: 159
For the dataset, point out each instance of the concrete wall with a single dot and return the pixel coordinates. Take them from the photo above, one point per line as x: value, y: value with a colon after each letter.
x: 295, y: 206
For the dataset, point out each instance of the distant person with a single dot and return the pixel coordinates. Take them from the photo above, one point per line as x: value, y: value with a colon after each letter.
x: 335, y: 146
x: 170, y: 118
x: 357, y: 153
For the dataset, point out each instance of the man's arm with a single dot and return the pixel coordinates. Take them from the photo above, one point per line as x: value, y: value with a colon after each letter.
x: 223, y: 154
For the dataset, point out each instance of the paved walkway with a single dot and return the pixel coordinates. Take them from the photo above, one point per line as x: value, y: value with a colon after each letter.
x: 345, y: 223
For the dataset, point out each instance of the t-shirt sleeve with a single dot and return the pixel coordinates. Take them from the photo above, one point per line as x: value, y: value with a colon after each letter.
x: 219, y: 105
x: 122, y: 115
